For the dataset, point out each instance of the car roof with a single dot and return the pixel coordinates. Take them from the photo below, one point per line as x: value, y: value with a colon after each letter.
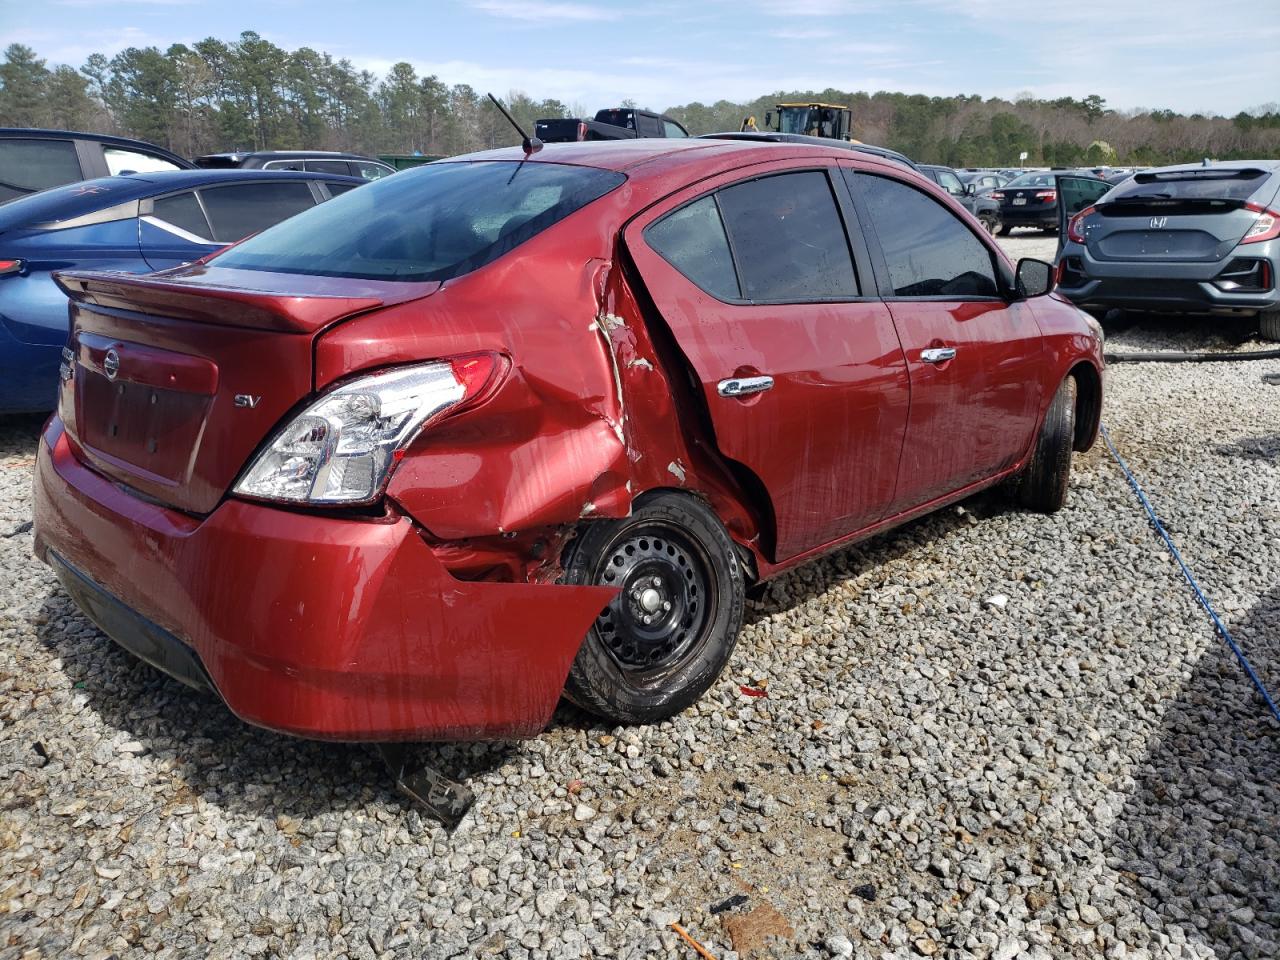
x: 1267, y: 166
x: 650, y: 158
x: 283, y: 154
x: 770, y: 136
x: 86, y: 196
x: 41, y: 133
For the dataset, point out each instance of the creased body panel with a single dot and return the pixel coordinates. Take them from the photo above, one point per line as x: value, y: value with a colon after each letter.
x: 322, y: 627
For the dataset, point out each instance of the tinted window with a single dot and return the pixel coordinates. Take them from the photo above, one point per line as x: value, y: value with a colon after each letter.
x: 692, y: 240
x: 131, y: 161
x: 329, y: 166
x: 30, y: 165
x: 245, y: 208
x: 297, y: 165
x: 434, y: 222
x: 183, y: 211
x: 788, y: 241
x: 648, y: 126
x: 619, y: 118
x: 1031, y: 180
x: 370, y: 171
x: 339, y: 187
x: 673, y: 129
x: 930, y: 253
x: 1204, y: 184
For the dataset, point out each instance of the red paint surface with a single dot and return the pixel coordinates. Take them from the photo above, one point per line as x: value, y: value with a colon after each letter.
x: 441, y: 618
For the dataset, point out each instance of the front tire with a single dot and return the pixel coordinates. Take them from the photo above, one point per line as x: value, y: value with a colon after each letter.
x: 1269, y: 324
x: 1005, y: 229
x: 1042, y: 485
x: 676, y: 566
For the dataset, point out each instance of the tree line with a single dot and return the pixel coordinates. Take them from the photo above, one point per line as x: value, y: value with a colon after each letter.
x: 252, y: 94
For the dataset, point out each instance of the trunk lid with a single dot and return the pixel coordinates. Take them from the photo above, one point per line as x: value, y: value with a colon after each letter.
x: 179, y: 377
x: 1197, y: 230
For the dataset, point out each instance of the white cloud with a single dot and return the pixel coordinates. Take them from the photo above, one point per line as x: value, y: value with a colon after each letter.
x: 544, y: 10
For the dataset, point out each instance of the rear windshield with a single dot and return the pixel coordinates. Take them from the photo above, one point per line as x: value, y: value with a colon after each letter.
x: 1032, y: 180
x: 1206, y: 184
x: 434, y: 222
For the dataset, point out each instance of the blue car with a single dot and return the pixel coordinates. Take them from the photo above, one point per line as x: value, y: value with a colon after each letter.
x: 133, y: 224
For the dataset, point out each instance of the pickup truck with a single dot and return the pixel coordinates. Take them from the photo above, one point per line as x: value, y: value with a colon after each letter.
x: 619, y: 123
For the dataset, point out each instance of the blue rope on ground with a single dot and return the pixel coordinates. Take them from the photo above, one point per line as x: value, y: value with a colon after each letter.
x: 1186, y: 572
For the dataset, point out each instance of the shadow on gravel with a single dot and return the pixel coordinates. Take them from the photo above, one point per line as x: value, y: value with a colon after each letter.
x: 1200, y: 836
x: 241, y: 768
x: 1266, y: 448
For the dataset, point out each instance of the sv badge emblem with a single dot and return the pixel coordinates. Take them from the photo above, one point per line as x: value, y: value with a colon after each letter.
x: 247, y: 400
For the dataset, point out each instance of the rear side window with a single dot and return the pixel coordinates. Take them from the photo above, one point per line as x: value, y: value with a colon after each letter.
x: 328, y: 166
x: 27, y: 166
x: 131, y: 161
x: 434, y: 222
x: 337, y: 187
x: 244, y: 208
x: 182, y: 210
x: 370, y: 171
x: 788, y: 241
x: 692, y: 239
x: 929, y: 252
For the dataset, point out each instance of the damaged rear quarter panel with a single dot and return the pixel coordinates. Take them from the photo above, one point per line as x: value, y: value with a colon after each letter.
x: 554, y: 443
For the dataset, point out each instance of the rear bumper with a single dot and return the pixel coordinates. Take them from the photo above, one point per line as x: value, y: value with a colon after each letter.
x: 316, y: 626
x: 1141, y: 290
x: 1021, y: 217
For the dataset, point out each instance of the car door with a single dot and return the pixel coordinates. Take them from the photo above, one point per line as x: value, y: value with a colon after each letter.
x: 800, y: 369
x: 173, y: 230
x: 1075, y: 194
x: 974, y: 358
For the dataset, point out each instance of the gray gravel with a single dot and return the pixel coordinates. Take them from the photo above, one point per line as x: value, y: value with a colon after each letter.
x: 1080, y: 771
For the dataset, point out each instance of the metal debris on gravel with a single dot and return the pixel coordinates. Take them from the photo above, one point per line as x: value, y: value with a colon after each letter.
x: 1081, y: 771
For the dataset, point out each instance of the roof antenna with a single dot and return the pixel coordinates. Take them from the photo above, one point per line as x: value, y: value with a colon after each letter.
x: 529, y: 144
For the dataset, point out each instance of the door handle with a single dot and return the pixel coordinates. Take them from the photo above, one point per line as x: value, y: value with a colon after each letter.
x: 744, y: 386
x: 938, y: 354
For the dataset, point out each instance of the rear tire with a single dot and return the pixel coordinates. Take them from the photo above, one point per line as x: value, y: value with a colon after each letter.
x: 1042, y: 485
x: 676, y: 564
x: 1005, y: 229
x: 1269, y: 324
x: 990, y: 224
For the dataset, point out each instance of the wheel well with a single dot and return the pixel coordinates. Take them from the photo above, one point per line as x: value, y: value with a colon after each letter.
x: 1088, y: 405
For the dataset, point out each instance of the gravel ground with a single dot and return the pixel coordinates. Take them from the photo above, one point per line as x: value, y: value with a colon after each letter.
x: 1079, y: 771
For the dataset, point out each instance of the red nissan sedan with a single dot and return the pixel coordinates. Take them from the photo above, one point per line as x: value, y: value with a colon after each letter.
x: 416, y: 463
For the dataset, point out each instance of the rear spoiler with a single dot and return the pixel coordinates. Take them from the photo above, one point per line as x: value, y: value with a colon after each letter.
x: 301, y: 304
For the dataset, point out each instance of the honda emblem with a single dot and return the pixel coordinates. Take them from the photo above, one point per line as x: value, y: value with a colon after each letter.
x: 1157, y: 223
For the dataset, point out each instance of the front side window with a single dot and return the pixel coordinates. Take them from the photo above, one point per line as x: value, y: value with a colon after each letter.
x: 434, y: 222
x: 120, y: 161
x: 371, y: 171
x: 27, y: 166
x: 692, y: 239
x: 241, y: 209
x: 950, y: 182
x: 787, y: 238
x: 929, y: 251
x: 673, y: 129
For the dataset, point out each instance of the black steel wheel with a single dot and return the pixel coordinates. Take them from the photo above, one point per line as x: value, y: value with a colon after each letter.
x: 665, y: 637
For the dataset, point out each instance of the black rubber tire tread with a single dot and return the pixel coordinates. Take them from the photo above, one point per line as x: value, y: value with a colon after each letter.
x: 1005, y: 229
x: 1269, y: 324
x: 596, y: 683
x: 1043, y: 484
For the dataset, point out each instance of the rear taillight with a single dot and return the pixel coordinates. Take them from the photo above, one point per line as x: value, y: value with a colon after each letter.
x: 1075, y: 231
x: 582, y: 130
x: 997, y: 194
x: 1266, y: 227
x: 1047, y: 195
x: 11, y: 266
x: 343, y: 448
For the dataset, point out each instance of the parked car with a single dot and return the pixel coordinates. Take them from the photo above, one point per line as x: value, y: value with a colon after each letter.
x: 507, y: 426
x: 985, y: 209
x: 134, y: 224
x: 981, y: 182
x: 771, y: 137
x: 1180, y: 239
x: 311, y: 161
x: 619, y: 123
x: 34, y: 160
x: 1031, y: 200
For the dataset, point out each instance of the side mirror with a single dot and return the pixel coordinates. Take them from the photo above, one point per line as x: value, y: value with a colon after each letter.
x: 1034, y: 278
x: 971, y: 190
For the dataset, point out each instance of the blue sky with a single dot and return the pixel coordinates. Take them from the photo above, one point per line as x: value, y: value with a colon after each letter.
x: 1187, y: 55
